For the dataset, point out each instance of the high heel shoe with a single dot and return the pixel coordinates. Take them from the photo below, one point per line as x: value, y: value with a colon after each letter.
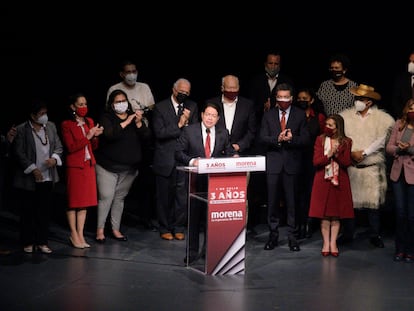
x: 81, y: 246
x: 335, y: 254
x: 122, y: 238
x: 100, y: 241
x: 325, y: 254
x: 86, y: 245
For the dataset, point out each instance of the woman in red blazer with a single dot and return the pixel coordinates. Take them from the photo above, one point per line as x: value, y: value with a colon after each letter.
x: 80, y: 139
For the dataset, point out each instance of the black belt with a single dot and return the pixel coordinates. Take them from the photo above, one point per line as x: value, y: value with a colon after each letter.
x: 364, y: 165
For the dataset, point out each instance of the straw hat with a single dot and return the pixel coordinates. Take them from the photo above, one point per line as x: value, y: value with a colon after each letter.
x: 364, y: 90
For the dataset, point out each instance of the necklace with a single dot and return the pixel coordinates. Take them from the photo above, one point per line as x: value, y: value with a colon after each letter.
x: 40, y: 138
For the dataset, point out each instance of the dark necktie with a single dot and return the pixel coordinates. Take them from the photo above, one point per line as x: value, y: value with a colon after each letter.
x: 180, y: 109
x: 283, y: 121
x: 207, y: 149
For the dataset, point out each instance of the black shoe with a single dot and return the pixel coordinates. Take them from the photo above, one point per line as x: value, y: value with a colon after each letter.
x: 377, y: 241
x: 271, y: 244
x: 121, y: 238
x: 101, y: 241
x: 294, y: 245
x: 343, y: 240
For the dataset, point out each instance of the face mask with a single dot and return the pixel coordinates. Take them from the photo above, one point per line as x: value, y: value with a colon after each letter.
x: 121, y: 107
x: 283, y: 105
x: 230, y: 95
x: 302, y: 104
x: 337, y: 74
x: 42, y: 119
x: 328, y: 131
x: 360, y: 105
x: 411, y: 67
x: 181, y: 97
x: 131, y: 78
x: 410, y: 116
x: 272, y: 73
x: 81, y: 111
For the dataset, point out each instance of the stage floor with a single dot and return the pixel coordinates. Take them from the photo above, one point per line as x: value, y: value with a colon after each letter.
x: 147, y: 273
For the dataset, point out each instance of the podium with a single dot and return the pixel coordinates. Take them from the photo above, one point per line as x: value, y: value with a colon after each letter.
x: 226, y: 218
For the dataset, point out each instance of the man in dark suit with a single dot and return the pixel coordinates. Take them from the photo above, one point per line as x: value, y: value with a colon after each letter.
x: 170, y: 117
x: 403, y: 88
x: 238, y: 115
x: 285, y: 134
x: 191, y: 147
x: 261, y: 90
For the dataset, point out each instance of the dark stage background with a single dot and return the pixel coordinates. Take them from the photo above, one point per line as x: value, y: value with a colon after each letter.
x: 52, y: 52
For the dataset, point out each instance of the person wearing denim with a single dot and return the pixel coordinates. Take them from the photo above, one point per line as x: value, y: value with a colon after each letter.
x: 401, y: 147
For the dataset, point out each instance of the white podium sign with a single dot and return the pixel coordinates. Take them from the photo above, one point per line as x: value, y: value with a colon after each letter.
x: 233, y: 164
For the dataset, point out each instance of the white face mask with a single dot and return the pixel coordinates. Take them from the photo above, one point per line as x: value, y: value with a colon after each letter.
x: 411, y: 67
x: 42, y: 119
x: 121, y: 107
x: 131, y: 78
x: 360, y: 105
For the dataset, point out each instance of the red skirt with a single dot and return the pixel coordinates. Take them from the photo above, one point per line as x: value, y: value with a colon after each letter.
x: 81, y: 186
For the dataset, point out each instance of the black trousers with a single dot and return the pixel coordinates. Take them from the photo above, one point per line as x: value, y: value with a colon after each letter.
x: 35, y: 214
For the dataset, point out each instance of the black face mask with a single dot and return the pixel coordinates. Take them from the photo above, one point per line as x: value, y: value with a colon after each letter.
x: 302, y: 104
x: 181, y: 97
x: 337, y: 74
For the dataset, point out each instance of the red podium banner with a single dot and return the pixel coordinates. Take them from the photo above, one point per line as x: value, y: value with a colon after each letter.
x: 226, y: 201
x: 226, y: 219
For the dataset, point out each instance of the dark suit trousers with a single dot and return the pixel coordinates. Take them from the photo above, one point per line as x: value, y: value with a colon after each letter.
x: 281, y: 186
x: 171, y: 202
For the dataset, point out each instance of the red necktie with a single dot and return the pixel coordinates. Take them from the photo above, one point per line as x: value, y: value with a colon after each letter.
x: 207, y: 149
x: 283, y: 121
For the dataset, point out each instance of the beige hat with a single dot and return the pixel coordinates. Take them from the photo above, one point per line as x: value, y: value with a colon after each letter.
x: 364, y: 90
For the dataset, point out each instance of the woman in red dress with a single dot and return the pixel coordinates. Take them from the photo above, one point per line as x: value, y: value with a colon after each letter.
x: 331, y: 198
x: 80, y: 139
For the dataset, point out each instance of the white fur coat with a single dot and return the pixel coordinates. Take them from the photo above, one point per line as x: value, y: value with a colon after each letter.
x: 368, y: 184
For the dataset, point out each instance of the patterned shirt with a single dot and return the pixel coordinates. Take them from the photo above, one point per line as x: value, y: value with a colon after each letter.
x: 336, y: 98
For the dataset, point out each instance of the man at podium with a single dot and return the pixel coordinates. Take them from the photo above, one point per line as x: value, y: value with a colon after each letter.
x: 201, y: 140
